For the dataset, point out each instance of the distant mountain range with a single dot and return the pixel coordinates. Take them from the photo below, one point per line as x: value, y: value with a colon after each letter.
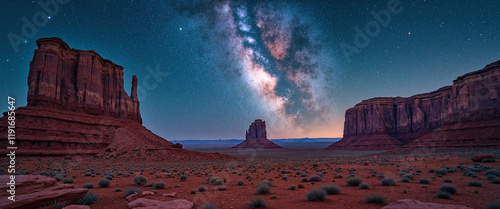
x: 236, y: 141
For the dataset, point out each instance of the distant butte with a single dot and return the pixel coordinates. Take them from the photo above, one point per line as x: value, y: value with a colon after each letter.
x: 77, y: 106
x: 256, y: 137
x: 466, y: 114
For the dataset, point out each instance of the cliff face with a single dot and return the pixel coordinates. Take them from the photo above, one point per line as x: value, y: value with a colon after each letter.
x: 77, y: 106
x: 79, y: 80
x: 256, y: 137
x: 387, y: 123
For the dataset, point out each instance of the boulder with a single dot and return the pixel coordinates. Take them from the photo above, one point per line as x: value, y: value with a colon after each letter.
x: 34, y: 191
x: 143, y: 203
x: 132, y: 197
x: 415, y: 204
x: 171, y: 194
x: 480, y: 157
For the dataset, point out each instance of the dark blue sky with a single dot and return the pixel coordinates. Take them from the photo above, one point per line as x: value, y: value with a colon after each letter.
x: 225, y: 63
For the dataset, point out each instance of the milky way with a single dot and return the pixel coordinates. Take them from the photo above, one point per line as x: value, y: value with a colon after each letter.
x: 275, y: 54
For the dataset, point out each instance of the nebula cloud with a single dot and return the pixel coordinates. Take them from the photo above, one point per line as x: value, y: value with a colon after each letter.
x: 274, y: 52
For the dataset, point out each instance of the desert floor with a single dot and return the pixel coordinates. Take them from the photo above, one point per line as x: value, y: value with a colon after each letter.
x: 282, y: 168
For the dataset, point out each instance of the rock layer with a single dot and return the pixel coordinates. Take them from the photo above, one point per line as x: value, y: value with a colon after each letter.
x: 77, y: 106
x: 256, y: 137
x: 37, y: 191
x: 464, y: 114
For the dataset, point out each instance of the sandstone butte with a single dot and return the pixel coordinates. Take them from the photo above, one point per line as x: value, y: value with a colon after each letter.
x: 77, y: 106
x: 466, y: 114
x: 256, y: 137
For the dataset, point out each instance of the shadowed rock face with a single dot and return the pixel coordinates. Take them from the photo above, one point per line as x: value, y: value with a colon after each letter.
x: 256, y: 137
x: 464, y: 114
x: 77, y: 106
x: 80, y: 81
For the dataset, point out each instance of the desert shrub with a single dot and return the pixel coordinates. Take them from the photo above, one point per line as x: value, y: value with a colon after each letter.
x: 495, y: 181
x: 240, y: 182
x: 130, y: 191
x: 266, y: 182
x: 183, y: 178
x: 377, y: 199
x: 424, y: 181
x: 488, y: 160
x: 159, y: 185
x: 57, y: 204
x: 87, y: 174
x: 221, y: 188
x: 88, y: 199
x: 330, y: 189
x: 431, y: 171
x: 257, y: 203
x: 304, y: 180
x: 208, y: 206
x: 59, y: 177
x: 316, y: 195
x: 103, y: 183
x: 354, y: 181
x: 443, y: 195
x: 263, y: 189
x: 140, y: 180
x: 448, y: 188
x: 202, y: 188
x: 388, y: 182
x: 126, y: 175
x: 448, y: 181
x: 109, y: 177
x: 215, y: 181
x: 475, y: 184
x: 88, y: 186
x: 118, y: 189
x: 192, y: 192
x: 293, y: 187
x: 405, y: 180
x: 300, y: 186
x: 68, y: 181
x: 494, y: 172
x: 315, y: 178
x: 441, y: 172
x: 364, y: 186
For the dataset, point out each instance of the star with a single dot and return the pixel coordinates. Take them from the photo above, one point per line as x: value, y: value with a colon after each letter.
x: 409, y: 33
x: 180, y: 28
x: 49, y: 17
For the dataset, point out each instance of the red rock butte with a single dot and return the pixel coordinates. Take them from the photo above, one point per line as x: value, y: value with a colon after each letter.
x: 466, y: 114
x: 77, y: 106
x: 256, y: 137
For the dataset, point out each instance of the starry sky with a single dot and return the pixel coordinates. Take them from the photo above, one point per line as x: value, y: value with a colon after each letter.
x: 298, y: 65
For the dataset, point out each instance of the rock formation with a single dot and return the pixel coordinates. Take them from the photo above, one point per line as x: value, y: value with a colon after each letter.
x: 77, y: 105
x: 462, y: 115
x: 256, y: 137
x: 415, y: 204
x: 37, y: 191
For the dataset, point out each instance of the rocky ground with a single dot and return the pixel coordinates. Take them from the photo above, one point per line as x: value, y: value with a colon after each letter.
x: 305, y: 169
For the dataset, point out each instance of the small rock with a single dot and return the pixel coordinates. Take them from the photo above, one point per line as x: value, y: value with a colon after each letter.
x: 146, y: 193
x: 143, y: 203
x: 171, y: 194
x: 133, y: 197
x: 77, y: 207
x: 415, y: 204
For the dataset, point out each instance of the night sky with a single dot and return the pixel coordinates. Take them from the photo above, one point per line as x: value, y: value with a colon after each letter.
x: 218, y: 65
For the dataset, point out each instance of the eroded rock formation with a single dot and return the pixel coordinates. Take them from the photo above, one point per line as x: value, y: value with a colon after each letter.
x: 256, y: 137
x: 464, y: 114
x: 37, y: 191
x: 77, y: 105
